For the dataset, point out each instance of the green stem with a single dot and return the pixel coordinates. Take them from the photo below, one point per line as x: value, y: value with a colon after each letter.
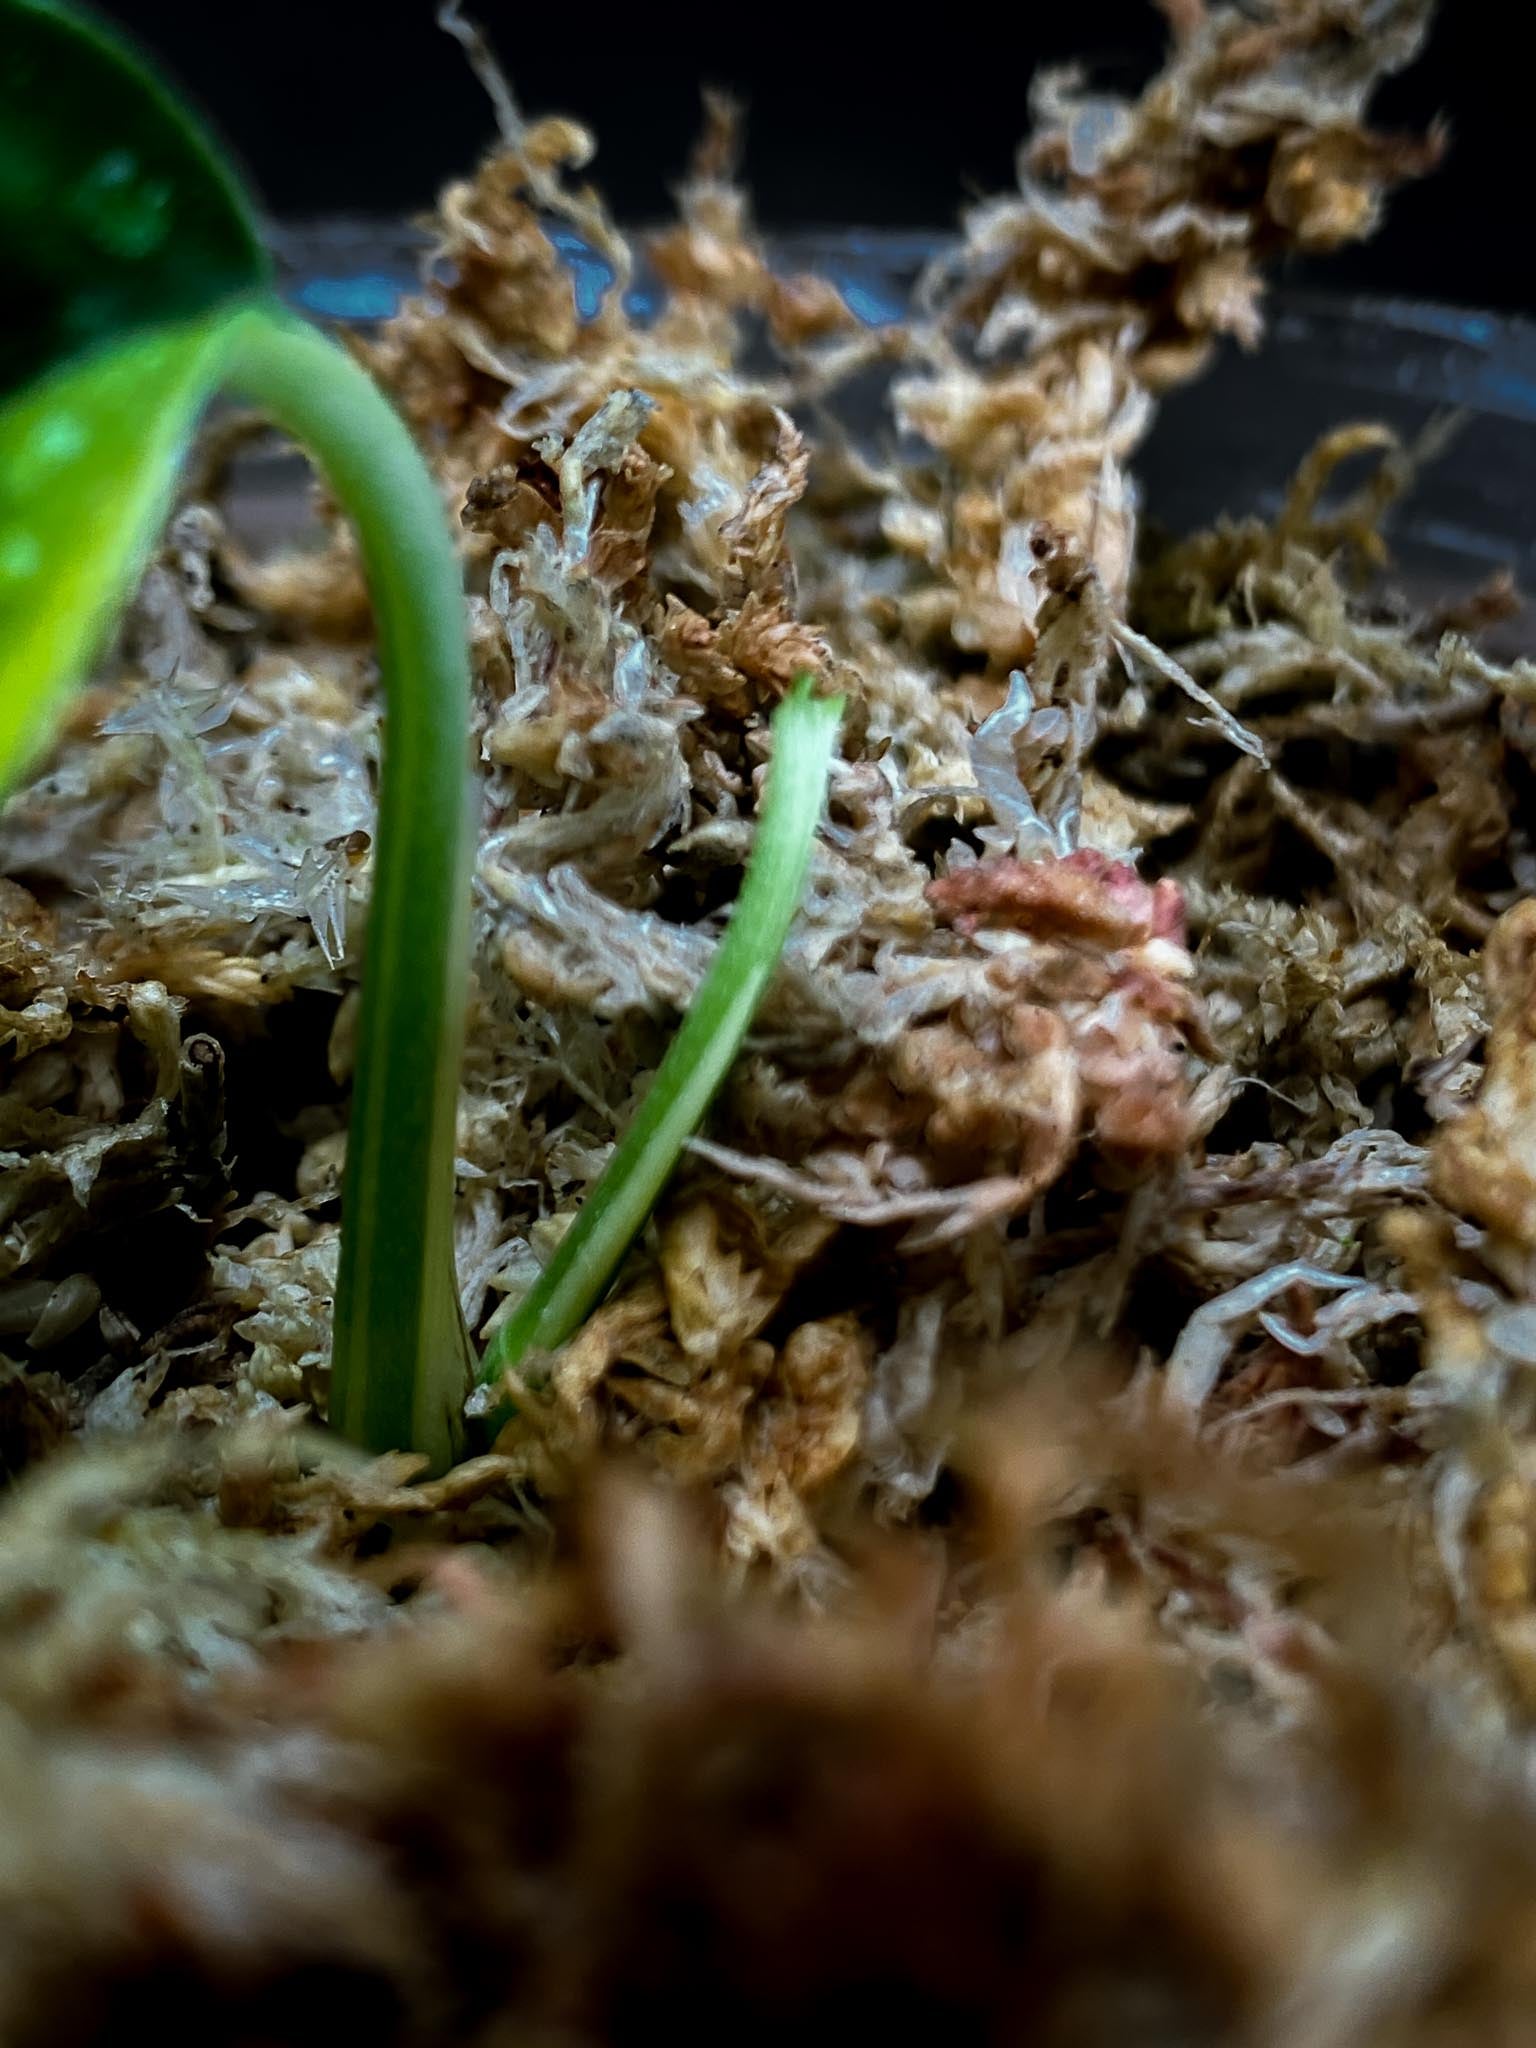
x: 400, y: 1360
x: 701, y: 1054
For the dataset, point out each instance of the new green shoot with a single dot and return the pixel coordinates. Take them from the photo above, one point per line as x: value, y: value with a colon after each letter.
x: 699, y: 1057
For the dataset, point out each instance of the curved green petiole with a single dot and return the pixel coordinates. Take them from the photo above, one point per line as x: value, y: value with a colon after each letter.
x: 401, y: 1361
x: 88, y: 462
x: 141, y: 288
x: 700, y: 1056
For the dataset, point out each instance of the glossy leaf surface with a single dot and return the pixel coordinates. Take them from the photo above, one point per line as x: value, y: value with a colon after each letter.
x: 116, y: 212
x: 88, y: 465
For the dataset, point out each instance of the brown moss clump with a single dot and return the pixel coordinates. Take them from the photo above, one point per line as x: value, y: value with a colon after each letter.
x: 1041, y: 1541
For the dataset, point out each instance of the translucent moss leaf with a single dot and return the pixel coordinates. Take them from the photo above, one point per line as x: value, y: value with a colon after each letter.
x: 88, y: 464
x: 116, y: 212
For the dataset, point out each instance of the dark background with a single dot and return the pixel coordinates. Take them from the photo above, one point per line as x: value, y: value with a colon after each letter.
x: 365, y: 105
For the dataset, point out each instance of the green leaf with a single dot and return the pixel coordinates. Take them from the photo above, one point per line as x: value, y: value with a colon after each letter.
x: 126, y: 241
x: 88, y: 465
x: 700, y: 1056
x: 116, y: 212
